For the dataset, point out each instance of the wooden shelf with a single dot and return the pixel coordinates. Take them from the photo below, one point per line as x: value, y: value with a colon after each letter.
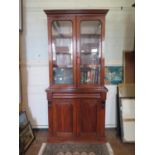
x: 62, y: 66
x: 63, y: 36
x: 89, y: 52
x: 89, y: 66
x: 90, y: 36
x: 63, y: 53
x: 62, y: 49
x: 87, y: 47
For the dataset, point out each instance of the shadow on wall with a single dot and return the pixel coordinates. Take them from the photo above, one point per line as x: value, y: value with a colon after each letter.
x: 25, y: 101
x: 129, y: 32
x: 24, y: 75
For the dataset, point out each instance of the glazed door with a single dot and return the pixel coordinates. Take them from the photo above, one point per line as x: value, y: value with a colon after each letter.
x: 62, y: 54
x: 64, y: 118
x: 90, y: 60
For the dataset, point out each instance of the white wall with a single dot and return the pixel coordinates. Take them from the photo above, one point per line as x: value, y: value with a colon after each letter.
x: 34, y: 50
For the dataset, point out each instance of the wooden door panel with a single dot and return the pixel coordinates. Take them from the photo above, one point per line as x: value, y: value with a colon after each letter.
x: 88, y: 116
x: 63, y: 116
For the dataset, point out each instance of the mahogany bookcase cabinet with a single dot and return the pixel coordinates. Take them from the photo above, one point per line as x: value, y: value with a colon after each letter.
x: 76, y: 95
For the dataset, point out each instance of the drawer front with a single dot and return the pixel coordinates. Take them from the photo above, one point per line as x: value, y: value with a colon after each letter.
x: 75, y: 95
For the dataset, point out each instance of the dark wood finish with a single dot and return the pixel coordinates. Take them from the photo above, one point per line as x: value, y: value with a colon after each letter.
x: 64, y: 117
x: 88, y: 123
x: 76, y: 112
x: 77, y: 12
x: 129, y: 67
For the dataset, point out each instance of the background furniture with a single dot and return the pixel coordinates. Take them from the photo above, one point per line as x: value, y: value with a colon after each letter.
x: 26, y: 135
x: 126, y: 112
x: 129, y: 67
x: 76, y: 95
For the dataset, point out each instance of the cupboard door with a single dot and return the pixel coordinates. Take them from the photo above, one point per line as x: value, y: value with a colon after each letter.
x: 64, y: 122
x: 90, y: 35
x: 62, y: 51
x: 88, y: 117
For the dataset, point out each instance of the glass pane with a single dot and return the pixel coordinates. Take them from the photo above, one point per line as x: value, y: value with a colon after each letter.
x: 90, y: 38
x: 62, y: 52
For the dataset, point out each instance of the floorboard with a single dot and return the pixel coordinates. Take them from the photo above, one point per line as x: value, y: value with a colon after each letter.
x: 118, y: 147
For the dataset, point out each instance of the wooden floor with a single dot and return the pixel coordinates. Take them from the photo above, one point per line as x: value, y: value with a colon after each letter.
x: 118, y: 147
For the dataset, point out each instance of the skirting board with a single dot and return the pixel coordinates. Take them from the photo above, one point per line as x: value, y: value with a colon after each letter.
x: 46, y: 127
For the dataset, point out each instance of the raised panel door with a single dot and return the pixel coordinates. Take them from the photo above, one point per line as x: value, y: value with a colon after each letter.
x: 64, y: 121
x: 87, y: 117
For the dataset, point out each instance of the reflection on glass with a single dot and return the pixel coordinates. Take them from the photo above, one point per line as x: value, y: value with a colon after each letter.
x: 62, y: 52
x: 90, y: 38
